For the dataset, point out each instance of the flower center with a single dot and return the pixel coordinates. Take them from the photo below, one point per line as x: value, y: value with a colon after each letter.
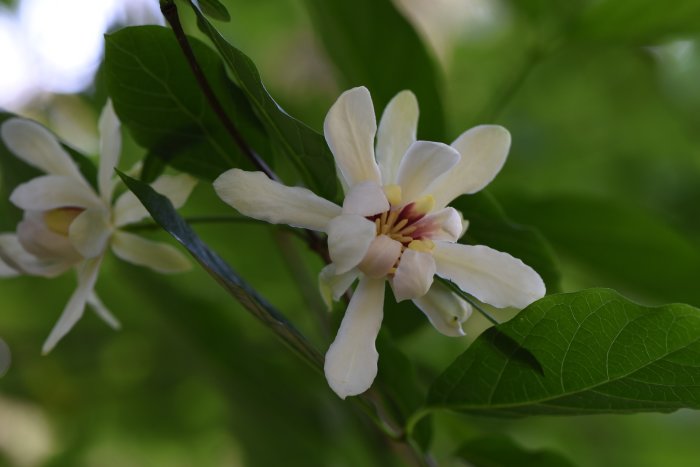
x: 59, y: 220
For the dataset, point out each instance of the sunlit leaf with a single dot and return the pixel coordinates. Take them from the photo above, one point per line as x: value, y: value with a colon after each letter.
x: 600, y: 353
x: 501, y: 451
x: 303, y: 146
x: 157, y: 98
x: 167, y: 217
x: 373, y: 45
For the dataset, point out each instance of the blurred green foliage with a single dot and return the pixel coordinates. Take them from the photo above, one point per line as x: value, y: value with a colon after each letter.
x: 602, y: 100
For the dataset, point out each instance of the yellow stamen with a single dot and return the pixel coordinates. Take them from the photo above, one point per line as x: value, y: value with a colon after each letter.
x: 425, y: 204
x: 408, y: 230
x: 393, y: 215
x: 393, y: 194
x: 59, y: 220
x: 400, y: 225
x: 378, y: 224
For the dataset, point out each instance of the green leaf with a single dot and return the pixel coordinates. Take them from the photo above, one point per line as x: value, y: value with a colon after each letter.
x: 489, y: 225
x: 501, y: 451
x: 165, y: 215
x: 306, y: 148
x: 373, y: 45
x: 600, y: 353
x: 214, y: 9
x: 618, y: 244
x: 157, y: 98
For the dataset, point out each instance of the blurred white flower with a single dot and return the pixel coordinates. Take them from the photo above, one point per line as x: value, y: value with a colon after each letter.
x: 394, y: 225
x: 69, y: 224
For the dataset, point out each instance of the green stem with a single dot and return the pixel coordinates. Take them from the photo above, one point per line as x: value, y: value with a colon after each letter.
x: 469, y: 299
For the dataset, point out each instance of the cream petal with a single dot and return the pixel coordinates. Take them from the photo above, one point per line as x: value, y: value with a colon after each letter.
x: 255, y: 195
x: 381, y: 256
x: 349, y: 128
x: 36, y: 238
x: 333, y: 285
x: 365, y: 199
x: 90, y: 232
x: 54, y: 191
x: 349, y: 238
x: 491, y: 276
x: 397, y: 131
x: 12, y: 253
x: 110, y: 149
x: 158, y: 256
x: 484, y: 150
x: 414, y: 276
x: 444, y: 225
x: 424, y: 162
x: 351, y: 360
x: 177, y: 188
x: 445, y: 310
x: 87, y: 276
x: 101, y: 310
x: 38, y: 147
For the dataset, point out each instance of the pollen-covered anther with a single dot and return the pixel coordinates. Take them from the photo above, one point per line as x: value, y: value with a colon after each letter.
x: 59, y: 220
x: 425, y: 245
x: 393, y: 194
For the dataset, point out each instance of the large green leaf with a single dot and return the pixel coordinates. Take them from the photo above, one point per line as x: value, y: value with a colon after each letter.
x: 489, y: 225
x: 617, y: 244
x: 600, y: 353
x: 306, y: 148
x: 163, y: 212
x: 501, y: 451
x: 373, y: 45
x: 157, y: 98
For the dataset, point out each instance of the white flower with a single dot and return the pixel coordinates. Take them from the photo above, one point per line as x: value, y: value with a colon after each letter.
x: 68, y: 224
x: 394, y: 225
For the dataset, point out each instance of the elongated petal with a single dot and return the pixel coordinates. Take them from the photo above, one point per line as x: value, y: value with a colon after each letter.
x: 349, y: 238
x: 101, y: 310
x: 365, y: 199
x: 445, y: 310
x: 397, y: 131
x: 158, y: 256
x: 491, y: 276
x: 255, y: 195
x: 53, y: 191
x: 484, y: 150
x: 351, y: 360
x: 381, y: 256
x: 333, y: 285
x: 177, y: 188
x: 414, y: 276
x: 424, y: 162
x: 38, y: 147
x: 444, y: 225
x: 87, y: 276
x: 90, y: 231
x: 110, y: 149
x: 349, y: 128
x: 16, y: 257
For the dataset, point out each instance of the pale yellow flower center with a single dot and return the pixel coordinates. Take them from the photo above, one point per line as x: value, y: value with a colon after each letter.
x: 59, y: 220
